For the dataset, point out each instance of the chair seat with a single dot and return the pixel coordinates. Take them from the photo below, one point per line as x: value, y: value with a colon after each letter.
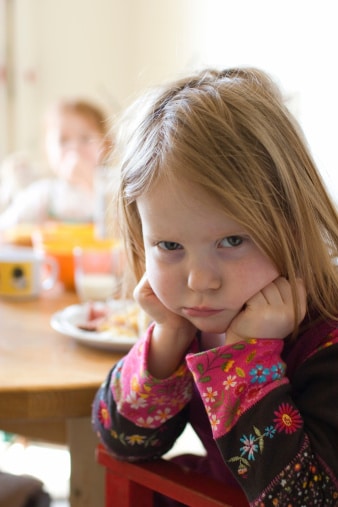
x: 133, y: 484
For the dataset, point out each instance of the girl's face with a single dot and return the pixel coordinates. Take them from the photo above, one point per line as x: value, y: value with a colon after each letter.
x: 201, y: 264
x: 74, y: 147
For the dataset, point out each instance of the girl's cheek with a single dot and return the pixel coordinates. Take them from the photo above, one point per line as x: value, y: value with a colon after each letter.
x: 157, y: 278
x: 155, y: 275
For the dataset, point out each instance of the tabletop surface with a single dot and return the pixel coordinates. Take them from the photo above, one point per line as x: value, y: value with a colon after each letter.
x: 44, y: 373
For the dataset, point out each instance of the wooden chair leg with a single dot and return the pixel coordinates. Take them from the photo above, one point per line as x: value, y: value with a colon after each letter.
x: 122, y: 492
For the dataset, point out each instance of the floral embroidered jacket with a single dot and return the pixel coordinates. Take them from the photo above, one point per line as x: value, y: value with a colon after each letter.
x: 270, y: 416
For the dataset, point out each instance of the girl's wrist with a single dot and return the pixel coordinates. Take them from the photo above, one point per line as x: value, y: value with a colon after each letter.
x: 180, y: 332
x: 168, y: 348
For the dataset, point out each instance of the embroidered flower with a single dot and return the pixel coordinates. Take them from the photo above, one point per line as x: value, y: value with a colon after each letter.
x: 145, y: 423
x: 135, y: 401
x: 135, y: 439
x: 249, y: 446
x: 103, y: 415
x: 277, y: 371
x: 174, y: 402
x: 270, y: 431
x: 161, y: 399
x: 163, y: 414
x: 252, y: 444
x: 214, y: 422
x: 288, y: 419
x: 210, y: 395
x: 259, y: 374
x: 229, y: 382
x: 240, y: 388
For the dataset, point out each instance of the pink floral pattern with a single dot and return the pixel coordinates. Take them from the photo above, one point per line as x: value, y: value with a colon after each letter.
x: 143, y: 399
x: 231, y: 378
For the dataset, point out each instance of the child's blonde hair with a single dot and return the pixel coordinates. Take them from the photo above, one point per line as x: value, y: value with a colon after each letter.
x: 230, y: 133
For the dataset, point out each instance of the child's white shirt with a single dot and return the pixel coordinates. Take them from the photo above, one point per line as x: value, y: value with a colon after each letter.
x: 49, y: 199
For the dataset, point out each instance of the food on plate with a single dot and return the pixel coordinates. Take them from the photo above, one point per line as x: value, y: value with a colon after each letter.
x: 95, y: 316
x: 127, y: 320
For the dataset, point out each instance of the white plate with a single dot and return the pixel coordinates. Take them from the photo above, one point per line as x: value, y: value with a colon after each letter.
x: 67, y: 320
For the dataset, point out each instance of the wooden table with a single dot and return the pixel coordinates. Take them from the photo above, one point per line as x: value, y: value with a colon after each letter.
x: 47, y: 385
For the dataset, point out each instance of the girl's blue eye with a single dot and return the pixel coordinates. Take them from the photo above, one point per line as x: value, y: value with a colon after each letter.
x: 169, y: 245
x: 231, y: 241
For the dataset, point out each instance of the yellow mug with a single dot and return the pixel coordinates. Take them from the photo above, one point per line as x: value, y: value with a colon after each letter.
x: 25, y: 273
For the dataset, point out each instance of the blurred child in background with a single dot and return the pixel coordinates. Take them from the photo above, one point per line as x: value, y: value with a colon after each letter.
x: 76, y: 142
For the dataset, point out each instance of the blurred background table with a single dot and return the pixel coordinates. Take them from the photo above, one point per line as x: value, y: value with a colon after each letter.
x: 47, y: 385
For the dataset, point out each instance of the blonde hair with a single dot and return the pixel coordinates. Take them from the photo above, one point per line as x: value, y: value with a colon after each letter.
x: 230, y: 133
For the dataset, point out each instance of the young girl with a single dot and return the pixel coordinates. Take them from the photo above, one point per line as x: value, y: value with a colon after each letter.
x: 233, y: 241
x: 76, y: 142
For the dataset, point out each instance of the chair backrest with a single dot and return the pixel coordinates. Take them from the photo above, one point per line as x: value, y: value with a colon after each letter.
x: 133, y: 484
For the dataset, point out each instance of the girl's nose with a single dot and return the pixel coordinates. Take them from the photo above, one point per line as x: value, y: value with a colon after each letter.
x: 204, y: 278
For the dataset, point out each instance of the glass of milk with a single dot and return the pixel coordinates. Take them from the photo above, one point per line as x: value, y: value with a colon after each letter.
x: 97, y: 273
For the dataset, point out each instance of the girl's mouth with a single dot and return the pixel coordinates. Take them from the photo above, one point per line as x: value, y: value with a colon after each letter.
x: 201, y: 311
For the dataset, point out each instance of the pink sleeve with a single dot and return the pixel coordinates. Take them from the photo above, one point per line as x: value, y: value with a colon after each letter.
x: 143, y: 399
x: 230, y: 379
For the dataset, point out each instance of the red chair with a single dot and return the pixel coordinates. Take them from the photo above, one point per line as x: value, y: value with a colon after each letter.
x: 133, y: 484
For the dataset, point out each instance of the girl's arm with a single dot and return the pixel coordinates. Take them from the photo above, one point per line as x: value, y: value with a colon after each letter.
x: 136, y: 415
x: 141, y: 409
x: 280, y: 439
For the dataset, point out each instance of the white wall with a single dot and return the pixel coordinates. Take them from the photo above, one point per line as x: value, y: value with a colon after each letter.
x: 110, y: 50
x: 106, y: 50
x: 297, y: 42
x: 3, y: 80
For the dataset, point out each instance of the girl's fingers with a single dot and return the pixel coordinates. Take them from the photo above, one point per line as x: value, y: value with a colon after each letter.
x: 271, y: 312
x: 279, y: 292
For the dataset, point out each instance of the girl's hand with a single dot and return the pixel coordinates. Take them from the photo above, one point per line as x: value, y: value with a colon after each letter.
x: 147, y: 299
x: 172, y: 334
x: 269, y: 313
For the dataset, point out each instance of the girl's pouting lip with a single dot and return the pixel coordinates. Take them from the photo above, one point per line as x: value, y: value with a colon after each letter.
x: 201, y: 311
